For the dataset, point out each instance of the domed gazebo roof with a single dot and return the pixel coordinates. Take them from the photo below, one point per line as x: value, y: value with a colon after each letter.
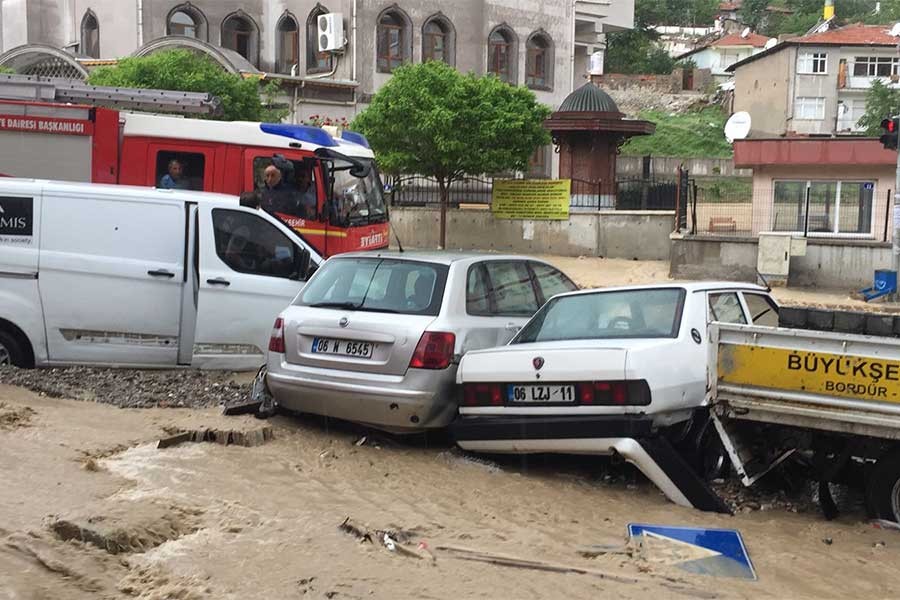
x: 588, y: 99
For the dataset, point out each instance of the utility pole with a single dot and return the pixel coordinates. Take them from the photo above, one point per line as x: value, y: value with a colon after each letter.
x: 889, y: 139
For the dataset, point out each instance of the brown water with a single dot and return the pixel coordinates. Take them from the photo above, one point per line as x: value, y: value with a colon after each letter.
x: 231, y: 522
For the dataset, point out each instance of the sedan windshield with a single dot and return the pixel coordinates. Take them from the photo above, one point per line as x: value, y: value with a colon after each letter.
x: 647, y: 313
x: 377, y: 285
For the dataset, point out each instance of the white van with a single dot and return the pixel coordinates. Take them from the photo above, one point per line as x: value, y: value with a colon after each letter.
x: 131, y: 276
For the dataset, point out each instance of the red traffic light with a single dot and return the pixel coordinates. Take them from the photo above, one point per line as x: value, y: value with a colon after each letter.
x: 889, y: 125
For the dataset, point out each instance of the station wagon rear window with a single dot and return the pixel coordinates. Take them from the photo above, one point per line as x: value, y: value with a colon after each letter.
x: 377, y: 285
x: 647, y: 313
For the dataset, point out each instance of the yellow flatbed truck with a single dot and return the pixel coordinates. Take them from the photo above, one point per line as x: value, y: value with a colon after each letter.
x: 830, y: 400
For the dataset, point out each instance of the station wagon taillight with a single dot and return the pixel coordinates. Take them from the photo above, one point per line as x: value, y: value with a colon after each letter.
x: 434, y: 351
x: 276, y: 341
x: 482, y: 394
x: 614, y: 393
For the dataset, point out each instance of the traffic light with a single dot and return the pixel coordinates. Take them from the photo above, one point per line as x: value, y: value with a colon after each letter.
x: 891, y: 128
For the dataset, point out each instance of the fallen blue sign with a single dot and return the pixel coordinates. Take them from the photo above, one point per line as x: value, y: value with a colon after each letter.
x: 718, y: 552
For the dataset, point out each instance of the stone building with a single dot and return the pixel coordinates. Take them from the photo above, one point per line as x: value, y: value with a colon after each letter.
x: 544, y: 44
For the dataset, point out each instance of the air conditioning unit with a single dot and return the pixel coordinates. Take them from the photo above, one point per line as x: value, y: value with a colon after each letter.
x: 331, y: 32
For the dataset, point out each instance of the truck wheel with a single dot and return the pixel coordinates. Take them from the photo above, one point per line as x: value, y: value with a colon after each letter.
x: 883, y: 488
x: 11, y: 352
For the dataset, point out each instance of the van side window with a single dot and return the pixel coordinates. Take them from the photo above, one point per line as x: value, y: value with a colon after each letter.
x: 762, y: 310
x: 295, y: 195
x: 511, y: 288
x: 180, y: 170
x: 726, y: 308
x: 250, y: 244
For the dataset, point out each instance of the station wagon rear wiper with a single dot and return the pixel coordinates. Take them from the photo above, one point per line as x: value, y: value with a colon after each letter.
x: 343, y: 305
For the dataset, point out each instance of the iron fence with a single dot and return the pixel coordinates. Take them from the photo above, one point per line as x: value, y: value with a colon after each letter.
x: 852, y: 210
x: 624, y: 194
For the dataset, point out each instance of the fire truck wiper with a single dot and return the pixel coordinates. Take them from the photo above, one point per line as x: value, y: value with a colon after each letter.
x: 357, y: 168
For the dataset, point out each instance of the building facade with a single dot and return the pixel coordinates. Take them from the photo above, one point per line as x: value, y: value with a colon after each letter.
x: 816, y: 84
x: 529, y: 42
x: 726, y: 51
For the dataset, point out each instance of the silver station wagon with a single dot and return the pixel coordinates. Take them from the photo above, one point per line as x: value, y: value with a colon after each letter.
x: 376, y: 338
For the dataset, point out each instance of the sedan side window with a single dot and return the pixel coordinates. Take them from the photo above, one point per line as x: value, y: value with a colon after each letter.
x: 726, y: 308
x: 762, y: 310
x: 249, y: 244
x: 511, y: 288
x: 551, y: 281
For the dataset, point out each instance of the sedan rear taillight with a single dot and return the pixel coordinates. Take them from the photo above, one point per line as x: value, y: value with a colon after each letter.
x: 614, y: 393
x: 276, y: 341
x: 482, y: 394
x: 434, y: 351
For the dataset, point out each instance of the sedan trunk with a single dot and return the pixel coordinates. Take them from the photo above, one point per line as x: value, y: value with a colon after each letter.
x: 370, y: 342
x: 557, y: 361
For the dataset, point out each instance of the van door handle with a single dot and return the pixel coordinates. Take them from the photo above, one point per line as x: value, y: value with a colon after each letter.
x: 218, y: 281
x: 161, y: 273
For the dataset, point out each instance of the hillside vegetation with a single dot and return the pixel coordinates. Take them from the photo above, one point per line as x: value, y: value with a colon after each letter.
x: 695, y: 134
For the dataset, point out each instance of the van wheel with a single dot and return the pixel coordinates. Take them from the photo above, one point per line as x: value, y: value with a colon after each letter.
x: 883, y: 488
x: 11, y: 352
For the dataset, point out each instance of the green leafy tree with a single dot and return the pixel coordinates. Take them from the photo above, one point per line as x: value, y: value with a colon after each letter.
x: 429, y: 119
x: 882, y: 102
x: 190, y: 72
x: 753, y: 12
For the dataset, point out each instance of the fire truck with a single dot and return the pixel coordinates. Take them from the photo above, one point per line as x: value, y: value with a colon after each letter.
x: 330, y: 191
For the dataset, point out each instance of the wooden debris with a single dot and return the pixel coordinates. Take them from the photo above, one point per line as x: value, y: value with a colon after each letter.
x: 224, y: 437
x: 537, y: 565
x: 389, y: 539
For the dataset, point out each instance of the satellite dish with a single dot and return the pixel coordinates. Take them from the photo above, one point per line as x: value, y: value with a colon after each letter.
x: 745, y: 32
x: 737, y: 127
x: 895, y: 30
x: 771, y: 43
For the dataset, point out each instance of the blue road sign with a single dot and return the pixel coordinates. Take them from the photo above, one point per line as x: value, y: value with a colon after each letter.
x: 718, y: 552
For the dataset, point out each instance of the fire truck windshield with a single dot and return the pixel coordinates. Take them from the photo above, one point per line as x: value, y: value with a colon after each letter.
x: 356, y: 200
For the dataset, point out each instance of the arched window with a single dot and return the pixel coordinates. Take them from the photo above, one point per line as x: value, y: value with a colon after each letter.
x: 187, y: 20
x: 539, y: 61
x: 239, y: 33
x: 316, y: 61
x: 90, y: 35
x: 438, y: 40
x: 394, y: 39
x: 502, y: 54
x: 288, y: 44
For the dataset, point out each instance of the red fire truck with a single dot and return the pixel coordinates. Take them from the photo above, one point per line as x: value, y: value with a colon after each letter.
x: 330, y: 191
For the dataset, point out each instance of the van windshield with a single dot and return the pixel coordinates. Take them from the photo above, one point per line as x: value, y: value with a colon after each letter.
x: 645, y: 313
x: 377, y: 285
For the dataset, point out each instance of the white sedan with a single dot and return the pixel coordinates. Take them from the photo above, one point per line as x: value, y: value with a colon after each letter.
x: 604, y: 372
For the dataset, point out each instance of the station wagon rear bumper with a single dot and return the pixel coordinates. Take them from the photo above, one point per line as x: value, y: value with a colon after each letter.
x: 632, y: 438
x: 419, y: 399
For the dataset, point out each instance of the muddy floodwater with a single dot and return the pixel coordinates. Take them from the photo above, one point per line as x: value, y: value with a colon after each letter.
x: 90, y: 508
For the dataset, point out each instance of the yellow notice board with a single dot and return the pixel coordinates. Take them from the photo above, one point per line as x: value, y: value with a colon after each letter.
x: 538, y: 199
x: 857, y: 377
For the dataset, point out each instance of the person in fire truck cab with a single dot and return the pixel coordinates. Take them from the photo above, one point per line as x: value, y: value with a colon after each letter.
x: 174, y: 179
x: 307, y: 202
x: 275, y: 195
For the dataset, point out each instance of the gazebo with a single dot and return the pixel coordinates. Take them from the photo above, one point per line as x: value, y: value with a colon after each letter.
x: 588, y: 130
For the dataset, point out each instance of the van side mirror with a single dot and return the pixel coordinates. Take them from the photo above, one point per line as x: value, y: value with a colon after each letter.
x: 301, y: 264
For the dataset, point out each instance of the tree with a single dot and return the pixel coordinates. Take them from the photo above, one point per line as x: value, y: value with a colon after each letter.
x: 635, y: 52
x: 429, y: 119
x: 190, y: 72
x: 882, y: 102
x: 753, y: 12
